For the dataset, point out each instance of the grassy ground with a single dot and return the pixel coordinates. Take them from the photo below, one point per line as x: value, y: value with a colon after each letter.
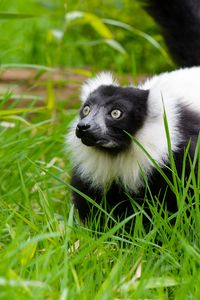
x: 45, y: 252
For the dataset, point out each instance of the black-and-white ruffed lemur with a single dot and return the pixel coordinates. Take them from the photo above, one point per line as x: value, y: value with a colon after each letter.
x: 106, y: 161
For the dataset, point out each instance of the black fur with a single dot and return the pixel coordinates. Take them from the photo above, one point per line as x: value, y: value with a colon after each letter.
x: 180, y: 24
x: 130, y: 101
x: 118, y: 200
x: 189, y: 127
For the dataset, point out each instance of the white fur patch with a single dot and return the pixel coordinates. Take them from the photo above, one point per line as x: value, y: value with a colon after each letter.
x: 103, y: 78
x: 100, y: 169
x: 181, y: 85
x: 172, y: 89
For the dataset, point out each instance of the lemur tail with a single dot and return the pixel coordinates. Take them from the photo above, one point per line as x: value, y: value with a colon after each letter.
x: 180, y: 24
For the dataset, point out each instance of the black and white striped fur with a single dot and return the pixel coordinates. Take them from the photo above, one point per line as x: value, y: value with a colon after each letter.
x: 105, y: 159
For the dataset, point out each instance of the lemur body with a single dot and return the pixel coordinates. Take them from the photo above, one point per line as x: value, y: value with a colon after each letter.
x: 106, y: 160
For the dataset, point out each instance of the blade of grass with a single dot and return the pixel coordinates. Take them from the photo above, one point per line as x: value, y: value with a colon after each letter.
x: 140, y: 33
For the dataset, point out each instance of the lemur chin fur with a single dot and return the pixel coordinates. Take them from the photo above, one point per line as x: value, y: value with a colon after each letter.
x: 105, y: 158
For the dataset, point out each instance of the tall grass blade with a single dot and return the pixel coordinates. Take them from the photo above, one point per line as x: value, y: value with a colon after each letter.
x: 139, y: 33
x: 79, y: 17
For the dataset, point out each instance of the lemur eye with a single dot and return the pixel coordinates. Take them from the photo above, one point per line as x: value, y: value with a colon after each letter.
x: 86, y: 110
x: 116, y: 113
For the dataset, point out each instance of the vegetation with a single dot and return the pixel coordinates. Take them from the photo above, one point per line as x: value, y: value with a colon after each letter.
x: 45, y: 251
x: 50, y: 38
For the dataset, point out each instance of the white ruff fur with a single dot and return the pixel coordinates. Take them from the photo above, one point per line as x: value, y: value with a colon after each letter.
x: 103, y: 78
x: 174, y: 88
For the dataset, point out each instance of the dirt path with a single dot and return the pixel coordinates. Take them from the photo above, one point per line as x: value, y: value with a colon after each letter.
x: 29, y: 84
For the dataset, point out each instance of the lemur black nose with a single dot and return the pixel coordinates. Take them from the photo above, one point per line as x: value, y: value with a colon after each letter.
x: 81, y: 129
x: 83, y: 126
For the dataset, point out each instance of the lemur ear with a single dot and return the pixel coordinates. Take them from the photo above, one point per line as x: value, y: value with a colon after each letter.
x: 103, y: 78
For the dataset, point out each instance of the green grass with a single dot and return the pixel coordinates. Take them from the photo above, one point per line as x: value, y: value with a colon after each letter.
x: 48, y: 38
x: 46, y: 253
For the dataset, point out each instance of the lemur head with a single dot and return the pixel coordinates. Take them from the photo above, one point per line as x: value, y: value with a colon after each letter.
x: 109, y: 112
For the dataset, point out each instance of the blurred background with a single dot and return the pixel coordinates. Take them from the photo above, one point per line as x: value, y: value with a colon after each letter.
x: 114, y: 34
x: 47, y: 49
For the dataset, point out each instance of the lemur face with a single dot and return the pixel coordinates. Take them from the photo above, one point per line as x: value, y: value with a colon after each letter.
x: 108, y: 114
